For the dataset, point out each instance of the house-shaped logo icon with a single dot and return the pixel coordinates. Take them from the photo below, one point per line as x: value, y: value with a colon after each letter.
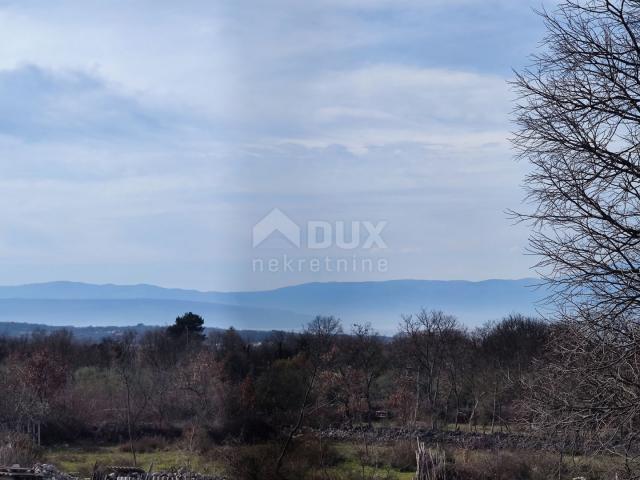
x: 276, y: 221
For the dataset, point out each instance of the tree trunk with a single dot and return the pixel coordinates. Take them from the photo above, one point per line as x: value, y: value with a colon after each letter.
x: 298, y: 424
x: 417, y: 406
x: 129, y: 424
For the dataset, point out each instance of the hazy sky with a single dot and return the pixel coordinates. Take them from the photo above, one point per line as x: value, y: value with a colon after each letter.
x: 142, y: 140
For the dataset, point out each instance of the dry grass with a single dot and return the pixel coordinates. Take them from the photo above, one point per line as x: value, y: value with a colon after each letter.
x: 17, y: 448
x: 80, y: 460
x: 312, y: 459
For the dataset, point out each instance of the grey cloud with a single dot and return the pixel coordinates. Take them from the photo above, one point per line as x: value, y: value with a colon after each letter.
x: 143, y: 139
x: 39, y: 104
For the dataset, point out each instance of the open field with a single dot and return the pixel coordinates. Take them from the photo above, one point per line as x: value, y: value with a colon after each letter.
x: 81, y: 460
x: 78, y: 460
x: 337, y: 461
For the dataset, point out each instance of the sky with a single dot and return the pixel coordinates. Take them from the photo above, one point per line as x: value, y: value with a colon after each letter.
x: 146, y: 141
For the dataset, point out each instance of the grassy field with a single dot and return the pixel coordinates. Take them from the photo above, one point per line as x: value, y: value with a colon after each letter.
x: 353, y: 461
x: 346, y: 461
x: 81, y: 460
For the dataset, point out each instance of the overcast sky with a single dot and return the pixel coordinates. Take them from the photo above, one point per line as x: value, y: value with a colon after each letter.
x: 142, y: 140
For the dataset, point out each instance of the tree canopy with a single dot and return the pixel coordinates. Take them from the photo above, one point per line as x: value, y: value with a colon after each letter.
x: 188, y: 325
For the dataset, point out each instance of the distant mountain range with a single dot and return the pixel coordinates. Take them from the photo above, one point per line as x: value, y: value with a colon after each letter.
x: 288, y: 308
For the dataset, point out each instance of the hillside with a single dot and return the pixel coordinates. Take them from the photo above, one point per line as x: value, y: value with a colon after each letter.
x: 381, y: 303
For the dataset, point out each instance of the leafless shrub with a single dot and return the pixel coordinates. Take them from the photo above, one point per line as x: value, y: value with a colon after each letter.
x: 431, y: 463
x: 401, y: 456
x: 17, y: 448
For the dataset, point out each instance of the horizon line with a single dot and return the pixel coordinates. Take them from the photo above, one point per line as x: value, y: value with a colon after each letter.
x: 293, y: 285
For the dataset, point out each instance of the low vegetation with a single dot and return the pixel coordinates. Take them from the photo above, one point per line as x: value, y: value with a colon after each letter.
x: 313, y: 459
x: 318, y: 404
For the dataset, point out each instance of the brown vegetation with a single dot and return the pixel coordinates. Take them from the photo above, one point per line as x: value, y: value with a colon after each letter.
x: 169, y: 387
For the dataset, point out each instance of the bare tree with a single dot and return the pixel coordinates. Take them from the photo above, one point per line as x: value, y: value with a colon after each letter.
x: 367, y: 356
x: 126, y: 364
x: 320, y: 335
x: 579, y: 128
x: 587, y: 392
x: 425, y: 349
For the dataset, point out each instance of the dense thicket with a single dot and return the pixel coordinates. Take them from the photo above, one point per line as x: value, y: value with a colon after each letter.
x: 177, y: 382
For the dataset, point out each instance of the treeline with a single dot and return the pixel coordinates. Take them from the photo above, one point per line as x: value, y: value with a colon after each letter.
x: 180, y: 382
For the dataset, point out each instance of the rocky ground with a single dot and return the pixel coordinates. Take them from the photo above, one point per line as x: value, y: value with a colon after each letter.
x: 50, y: 472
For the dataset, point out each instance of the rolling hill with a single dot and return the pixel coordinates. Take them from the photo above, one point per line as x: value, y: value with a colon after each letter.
x: 288, y: 308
